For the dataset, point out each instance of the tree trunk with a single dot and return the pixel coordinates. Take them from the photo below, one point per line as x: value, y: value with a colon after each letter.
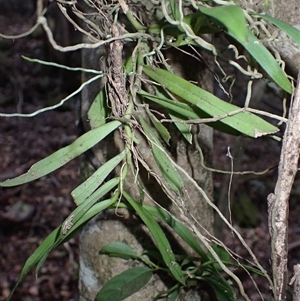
x: 95, y: 269
x: 278, y: 205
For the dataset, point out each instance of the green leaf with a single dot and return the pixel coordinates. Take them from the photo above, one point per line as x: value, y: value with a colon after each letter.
x: 98, y: 111
x: 125, y: 284
x: 161, y: 129
x: 291, y: 31
x: 85, y: 189
x: 64, y: 155
x: 184, y: 129
x: 173, y: 295
x: 160, y: 239
x: 153, y: 253
x: 222, y: 289
x: 184, y: 111
x: 119, y: 249
x: 199, y: 23
x: 174, y: 10
x: 150, y: 134
x: 80, y: 211
x: 230, y: 16
x: 169, y: 295
x: 128, y: 65
x: 167, y: 168
x: 262, y: 55
x: 90, y: 213
x: 223, y: 255
x: 245, y: 122
x: 51, y: 240
x: 76, y: 218
x: 179, y: 228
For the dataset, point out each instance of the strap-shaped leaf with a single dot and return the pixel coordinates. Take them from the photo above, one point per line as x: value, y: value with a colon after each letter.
x: 185, y: 112
x: 200, y: 24
x: 167, y: 168
x: 119, y: 249
x: 80, y: 211
x: 266, y: 60
x: 245, y: 122
x: 64, y: 155
x: 85, y: 189
x: 159, y: 237
x: 98, y: 111
x: 174, y: 10
x: 125, y: 284
x: 172, y: 296
x: 230, y: 16
x: 291, y: 31
x: 223, y: 290
x: 184, y: 129
x: 73, y: 221
x: 161, y: 129
x: 90, y: 212
x: 179, y: 228
x: 52, y: 240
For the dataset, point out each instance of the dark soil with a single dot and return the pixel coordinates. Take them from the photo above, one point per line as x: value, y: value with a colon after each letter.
x: 28, y: 213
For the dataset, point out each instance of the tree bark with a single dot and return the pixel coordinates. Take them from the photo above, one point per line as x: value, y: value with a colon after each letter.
x: 279, y: 201
x: 95, y: 269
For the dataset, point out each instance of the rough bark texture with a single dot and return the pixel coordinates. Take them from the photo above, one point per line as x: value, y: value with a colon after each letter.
x: 279, y: 202
x: 95, y: 269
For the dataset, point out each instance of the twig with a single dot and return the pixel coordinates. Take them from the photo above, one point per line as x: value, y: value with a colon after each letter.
x: 194, y: 228
x: 61, y: 66
x: 54, y: 106
x: 21, y: 35
x: 211, y: 203
x: 76, y: 26
x: 225, y: 115
x: 40, y: 12
x: 43, y: 21
x: 279, y: 200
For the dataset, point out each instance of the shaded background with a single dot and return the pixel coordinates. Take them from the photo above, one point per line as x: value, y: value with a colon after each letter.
x: 30, y: 212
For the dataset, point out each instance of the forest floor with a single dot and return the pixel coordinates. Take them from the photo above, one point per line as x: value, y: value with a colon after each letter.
x: 28, y: 213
